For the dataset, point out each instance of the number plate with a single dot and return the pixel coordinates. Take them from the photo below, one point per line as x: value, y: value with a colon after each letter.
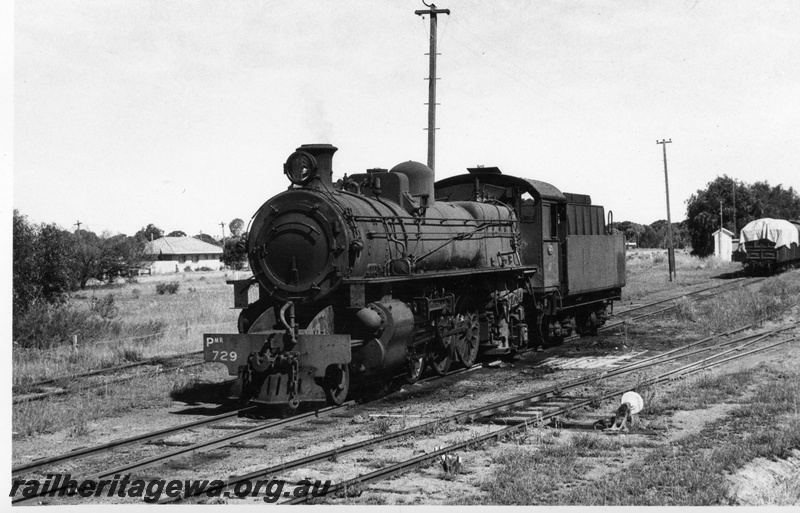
x: 234, y: 349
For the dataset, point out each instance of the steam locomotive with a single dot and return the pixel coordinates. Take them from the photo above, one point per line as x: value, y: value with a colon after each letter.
x: 386, y: 273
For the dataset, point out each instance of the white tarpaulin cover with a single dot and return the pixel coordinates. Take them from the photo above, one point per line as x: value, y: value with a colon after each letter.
x: 782, y: 233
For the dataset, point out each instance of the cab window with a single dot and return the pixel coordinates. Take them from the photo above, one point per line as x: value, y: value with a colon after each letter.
x: 527, y: 207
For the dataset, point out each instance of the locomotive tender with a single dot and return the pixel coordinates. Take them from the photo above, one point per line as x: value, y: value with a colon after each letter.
x: 386, y: 272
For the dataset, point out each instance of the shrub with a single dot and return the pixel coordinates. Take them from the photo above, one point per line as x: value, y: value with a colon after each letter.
x: 685, y: 310
x: 188, y: 269
x: 104, y: 307
x: 168, y: 288
x: 204, y: 268
x: 44, y: 326
x: 136, y: 293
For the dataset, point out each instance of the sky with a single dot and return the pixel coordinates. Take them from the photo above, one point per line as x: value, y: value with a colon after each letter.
x: 182, y: 113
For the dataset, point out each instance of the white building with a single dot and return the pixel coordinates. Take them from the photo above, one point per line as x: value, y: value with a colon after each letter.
x: 175, y: 254
x: 723, y: 244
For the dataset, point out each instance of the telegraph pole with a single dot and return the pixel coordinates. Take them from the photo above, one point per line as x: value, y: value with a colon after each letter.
x: 78, y: 224
x: 222, y: 224
x: 432, y: 11
x: 735, y: 234
x: 672, y: 271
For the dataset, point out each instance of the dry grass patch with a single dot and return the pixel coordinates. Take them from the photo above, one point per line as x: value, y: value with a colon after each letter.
x: 85, y: 406
x: 145, y: 325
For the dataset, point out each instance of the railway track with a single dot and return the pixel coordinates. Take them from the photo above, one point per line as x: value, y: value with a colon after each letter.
x: 278, y: 424
x: 99, y: 450
x: 487, y: 413
x: 728, y: 285
x: 206, y: 445
x: 73, y: 384
x: 490, y: 411
x: 245, y: 433
x: 67, y: 386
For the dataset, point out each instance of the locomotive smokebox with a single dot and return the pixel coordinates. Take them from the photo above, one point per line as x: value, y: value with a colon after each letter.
x: 323, y: 153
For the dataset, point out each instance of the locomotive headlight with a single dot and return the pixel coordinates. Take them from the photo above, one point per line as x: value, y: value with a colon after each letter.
x: 300, y: 167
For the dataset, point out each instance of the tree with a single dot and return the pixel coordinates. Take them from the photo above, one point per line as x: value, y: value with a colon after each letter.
x: 25, y: 290
x: 105, y: 257
x: 150, y: 232
x: 752, y: 202
x: 234, y: 254
x: 176, y: 233
x: 43, y: 265
x: 775, y: 202
x: 236, y: 226
x: 86, y: 254
x: 632, y: 231
x: 119, y: 254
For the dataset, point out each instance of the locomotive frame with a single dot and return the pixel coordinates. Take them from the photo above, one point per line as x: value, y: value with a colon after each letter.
x: 387, y: 272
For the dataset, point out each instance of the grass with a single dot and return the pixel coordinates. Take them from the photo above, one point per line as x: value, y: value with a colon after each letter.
x: 146, y: 325
x: 526, y: 476
x: 181, y: 319
x: 648, y: 272
x: 750, y: 304
x: 699, y: 392
x: 764, y: 421
x: 76, y: 413
x: 731, y: 308
x: 690, y: 471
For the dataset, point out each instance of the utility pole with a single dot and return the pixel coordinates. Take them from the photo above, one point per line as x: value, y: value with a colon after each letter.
x: 719, y: 235
x: 432, y: 11
x: 78, y: 224
x: 222, y: 224
x: 735, y: 234
x: 672, y: 271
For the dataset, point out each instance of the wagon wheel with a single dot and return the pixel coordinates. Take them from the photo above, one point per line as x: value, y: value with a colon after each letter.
x: 550, y: 340
x: 466, y: 343
x: 440, y: 356
x: 414, y: 368
x: 336, y: 383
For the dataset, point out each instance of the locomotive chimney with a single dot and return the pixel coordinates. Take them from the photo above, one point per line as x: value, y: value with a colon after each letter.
x: 324, y: 155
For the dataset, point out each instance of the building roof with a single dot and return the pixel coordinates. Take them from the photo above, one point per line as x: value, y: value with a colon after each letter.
x: 181, y: 246
x: 725, y: 231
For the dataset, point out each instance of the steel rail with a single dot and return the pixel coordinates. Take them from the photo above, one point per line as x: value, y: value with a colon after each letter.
x: 477, y: 413
x: 81, y: 453
x: 402, y: 467
x: 203, y: 446
x: 622, y: 322
x: 470, y: 415
x: 148, y: 361
x: 648, y: 305
x: 91, y: 386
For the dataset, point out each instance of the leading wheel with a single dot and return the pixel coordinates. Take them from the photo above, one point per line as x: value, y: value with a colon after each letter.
x: 466, y: 343
x: 336, y: 383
